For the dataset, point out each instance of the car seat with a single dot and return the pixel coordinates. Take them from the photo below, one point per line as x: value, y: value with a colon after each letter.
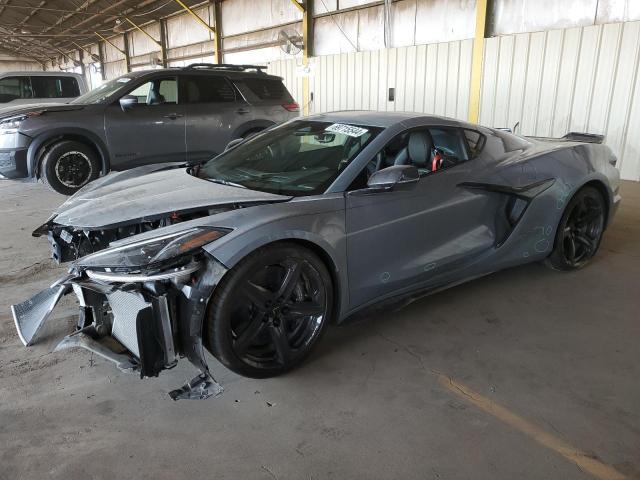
x: 418, y: 150
x: 155, y: 98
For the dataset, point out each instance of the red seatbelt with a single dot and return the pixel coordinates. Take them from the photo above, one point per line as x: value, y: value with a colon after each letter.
x: 435, y: 163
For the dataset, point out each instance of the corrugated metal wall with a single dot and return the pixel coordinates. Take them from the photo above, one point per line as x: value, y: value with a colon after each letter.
x: 583, y: 78
x: 426, y: 78
x: 578, y: 79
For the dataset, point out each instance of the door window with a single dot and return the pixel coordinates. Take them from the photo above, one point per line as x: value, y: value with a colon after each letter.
x: 54, y: 87
x: 159, y: 91
x: 475, y: 140
x: 14, y: 88
x: 429, y: 150
x: 208, y: 89
x: 449, y: 143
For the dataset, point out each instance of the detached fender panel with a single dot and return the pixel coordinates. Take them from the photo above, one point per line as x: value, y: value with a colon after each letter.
x: 30, y: 315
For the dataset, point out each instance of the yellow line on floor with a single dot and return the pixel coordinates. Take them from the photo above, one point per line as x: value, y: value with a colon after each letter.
x: 581, y: 459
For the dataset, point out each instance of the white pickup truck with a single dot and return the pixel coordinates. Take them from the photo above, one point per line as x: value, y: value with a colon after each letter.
x: 40, y: 87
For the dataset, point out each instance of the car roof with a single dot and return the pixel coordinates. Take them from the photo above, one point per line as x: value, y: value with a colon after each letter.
x: 38, y: 73
x: 379, y: 119
x: 227, y: 73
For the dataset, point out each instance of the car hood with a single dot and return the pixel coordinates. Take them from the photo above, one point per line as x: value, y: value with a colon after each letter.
x: 12, y: 110
x: 121, y: 198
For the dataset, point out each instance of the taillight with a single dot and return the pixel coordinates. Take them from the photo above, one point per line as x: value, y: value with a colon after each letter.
x: 291, y: 107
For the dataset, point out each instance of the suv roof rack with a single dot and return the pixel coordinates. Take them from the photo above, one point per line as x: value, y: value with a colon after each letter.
x: 226, y: 66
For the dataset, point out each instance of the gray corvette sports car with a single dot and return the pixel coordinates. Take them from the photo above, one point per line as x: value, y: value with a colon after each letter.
x: 253, y: 253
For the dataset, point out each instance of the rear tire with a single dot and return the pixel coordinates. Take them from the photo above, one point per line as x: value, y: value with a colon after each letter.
x: 580, y: 231
x: 68, y: 165
x: 268, y: 312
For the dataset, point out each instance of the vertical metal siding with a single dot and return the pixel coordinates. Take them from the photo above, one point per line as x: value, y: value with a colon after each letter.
x: 427, y: 78
x: 577, y: 79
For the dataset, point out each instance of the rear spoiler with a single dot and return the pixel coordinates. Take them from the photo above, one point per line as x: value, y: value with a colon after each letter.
x: 569, y: 137
x: 583, y: 137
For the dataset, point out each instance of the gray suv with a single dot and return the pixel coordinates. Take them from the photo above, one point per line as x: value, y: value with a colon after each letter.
x: 171, y: 115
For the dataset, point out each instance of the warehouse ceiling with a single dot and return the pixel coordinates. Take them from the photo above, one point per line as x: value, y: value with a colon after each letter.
x: 44, y: 29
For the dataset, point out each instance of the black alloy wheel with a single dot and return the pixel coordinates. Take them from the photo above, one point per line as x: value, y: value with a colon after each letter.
x: 69, y: 165
x: 269, y: 311
x: 580, y: 231
x: 73, y: 169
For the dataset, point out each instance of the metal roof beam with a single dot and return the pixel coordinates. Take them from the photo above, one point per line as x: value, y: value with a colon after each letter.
x: 195, y: 15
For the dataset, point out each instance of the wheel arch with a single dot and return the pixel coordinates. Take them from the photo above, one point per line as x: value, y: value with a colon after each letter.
x: 606, y: 194
x: 338, y: 283
x: 41, y: 143
x: 331, y: 267
x: 604, y: 191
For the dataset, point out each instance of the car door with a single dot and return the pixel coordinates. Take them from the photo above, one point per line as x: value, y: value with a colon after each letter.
x: 399, y: 240
x: 150, y: 131
x: 213, y: 114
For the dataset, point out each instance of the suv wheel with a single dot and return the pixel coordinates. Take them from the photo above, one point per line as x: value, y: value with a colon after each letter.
x: 68, y: 165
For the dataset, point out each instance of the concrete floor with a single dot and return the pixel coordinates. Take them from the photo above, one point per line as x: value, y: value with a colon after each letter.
x: 545, y: 371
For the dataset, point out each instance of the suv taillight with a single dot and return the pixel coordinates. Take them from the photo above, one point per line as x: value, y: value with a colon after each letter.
x: 291, y: 107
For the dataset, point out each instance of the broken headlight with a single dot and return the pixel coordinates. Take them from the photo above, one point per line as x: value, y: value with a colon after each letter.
x: 152, y: 251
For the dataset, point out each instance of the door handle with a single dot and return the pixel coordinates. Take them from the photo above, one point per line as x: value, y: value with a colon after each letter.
x: 173, y: 116
x: 243, y: 110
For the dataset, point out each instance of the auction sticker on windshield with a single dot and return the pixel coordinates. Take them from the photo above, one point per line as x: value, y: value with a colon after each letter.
x: 349, y: 130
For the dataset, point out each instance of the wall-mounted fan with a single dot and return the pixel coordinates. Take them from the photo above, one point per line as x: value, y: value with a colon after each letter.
x: 290, y: 41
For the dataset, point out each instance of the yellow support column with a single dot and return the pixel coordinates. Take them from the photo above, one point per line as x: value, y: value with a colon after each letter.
x: 477, y: 61
x: 217, y: 37
x: 307, y: 38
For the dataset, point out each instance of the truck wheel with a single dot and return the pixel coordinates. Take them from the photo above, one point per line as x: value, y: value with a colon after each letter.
x: 68, y: 165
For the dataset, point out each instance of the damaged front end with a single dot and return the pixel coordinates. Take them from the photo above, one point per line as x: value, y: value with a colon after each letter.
x: 68, y: 243
x: 142, y: 305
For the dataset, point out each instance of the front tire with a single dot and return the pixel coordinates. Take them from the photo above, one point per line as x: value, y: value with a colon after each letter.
x: 269, y: 311
x: 579, y: 232
x: 67, y: 166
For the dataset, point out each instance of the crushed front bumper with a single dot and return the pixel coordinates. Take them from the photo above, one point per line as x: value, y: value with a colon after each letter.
x: 141, y: 323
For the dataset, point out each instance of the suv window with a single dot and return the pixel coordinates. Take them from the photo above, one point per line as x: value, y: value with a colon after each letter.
x: 208, y: 89
x: 12, y: 88
x: 268, y: 89
x: 158, y: 91
x: 54, y: 87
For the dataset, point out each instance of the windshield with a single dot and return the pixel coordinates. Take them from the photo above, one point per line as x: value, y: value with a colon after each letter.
x: 104, y: 91
x: 299, y: 158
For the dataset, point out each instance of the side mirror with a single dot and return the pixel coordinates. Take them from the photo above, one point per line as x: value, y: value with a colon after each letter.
x: 128, y: 102
x: 233, y: 143
x: 397, y: 177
